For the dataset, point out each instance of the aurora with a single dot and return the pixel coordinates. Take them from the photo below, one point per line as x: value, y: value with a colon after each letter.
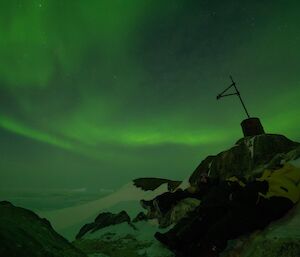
x: 101, y: 92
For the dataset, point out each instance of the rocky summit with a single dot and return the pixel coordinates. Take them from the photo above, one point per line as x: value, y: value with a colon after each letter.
x: 248, y: 158
x: 24, y: 234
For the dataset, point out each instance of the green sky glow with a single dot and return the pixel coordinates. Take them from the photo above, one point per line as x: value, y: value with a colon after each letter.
x: 129, y: 86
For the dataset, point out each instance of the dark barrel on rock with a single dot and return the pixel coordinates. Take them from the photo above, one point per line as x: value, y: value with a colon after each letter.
x: 252, y: 127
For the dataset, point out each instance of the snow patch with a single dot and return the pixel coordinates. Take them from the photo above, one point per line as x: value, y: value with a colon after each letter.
x: 250, y: 144
x: 144, y: 233
x: 209, y: 165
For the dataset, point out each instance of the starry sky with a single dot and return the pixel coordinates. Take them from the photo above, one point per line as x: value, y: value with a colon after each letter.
x: 94, y: 93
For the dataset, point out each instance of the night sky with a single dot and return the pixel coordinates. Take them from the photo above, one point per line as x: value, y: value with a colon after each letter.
x: 94, y: 93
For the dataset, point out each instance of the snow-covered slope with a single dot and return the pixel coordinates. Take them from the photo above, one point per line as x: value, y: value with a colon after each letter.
x: 128, y: 196
x: 123, y: 240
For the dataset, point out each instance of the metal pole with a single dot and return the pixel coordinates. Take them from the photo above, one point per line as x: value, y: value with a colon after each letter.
x: 239, y: 95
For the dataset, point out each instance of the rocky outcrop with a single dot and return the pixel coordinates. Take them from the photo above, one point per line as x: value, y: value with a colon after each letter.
x: 178, y: 212
x: 147, y: 184
x: 246, y: 156
x: 103, y: 220
x: 169, y: 207
x: 23, y: 233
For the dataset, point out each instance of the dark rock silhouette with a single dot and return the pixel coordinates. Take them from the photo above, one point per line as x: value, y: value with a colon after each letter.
x: 153, y: 183
x: 247, y: 155
x: 23, y: 233
x: 103, y: 220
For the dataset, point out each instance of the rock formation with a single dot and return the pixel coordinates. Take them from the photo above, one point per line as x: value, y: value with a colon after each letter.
x: 247, y: 156
x: 153, y: 183
x: 103, y: 220
x: 23, y: 233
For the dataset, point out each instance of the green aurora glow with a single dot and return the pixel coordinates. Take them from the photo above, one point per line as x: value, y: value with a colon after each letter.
x: 107, y: 89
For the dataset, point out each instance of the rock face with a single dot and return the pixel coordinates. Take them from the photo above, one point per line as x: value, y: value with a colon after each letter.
x: 153, y: 183
x: 248, y: 154
x: 178, y: 212
x: 23, y: 233
x: 169, y: 207
x: 103, y: 220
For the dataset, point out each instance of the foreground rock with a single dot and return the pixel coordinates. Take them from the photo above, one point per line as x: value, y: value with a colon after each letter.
x: 178, y: 212
x: 23, y: 233
x: 280, y: 238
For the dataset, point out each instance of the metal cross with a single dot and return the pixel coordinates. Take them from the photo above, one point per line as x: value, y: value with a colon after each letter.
x: 233, y: 84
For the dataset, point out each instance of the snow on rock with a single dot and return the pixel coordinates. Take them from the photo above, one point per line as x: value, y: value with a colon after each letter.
x: 113, y: 239
x: 209, y: 170
x: 128, y: 197
x: 250, y: 144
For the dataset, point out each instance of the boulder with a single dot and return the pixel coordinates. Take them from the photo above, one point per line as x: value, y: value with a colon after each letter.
x: 23, y: 233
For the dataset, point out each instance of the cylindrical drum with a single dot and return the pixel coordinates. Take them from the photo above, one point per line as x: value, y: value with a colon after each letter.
x: 252, y: 127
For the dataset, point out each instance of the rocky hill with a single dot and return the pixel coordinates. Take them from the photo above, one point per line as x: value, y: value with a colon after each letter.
x: 23, y: 233
x: 250, y: 155
x: 247, y: 158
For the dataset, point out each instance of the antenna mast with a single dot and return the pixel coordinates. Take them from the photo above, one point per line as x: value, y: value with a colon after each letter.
x: 237, y: 92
